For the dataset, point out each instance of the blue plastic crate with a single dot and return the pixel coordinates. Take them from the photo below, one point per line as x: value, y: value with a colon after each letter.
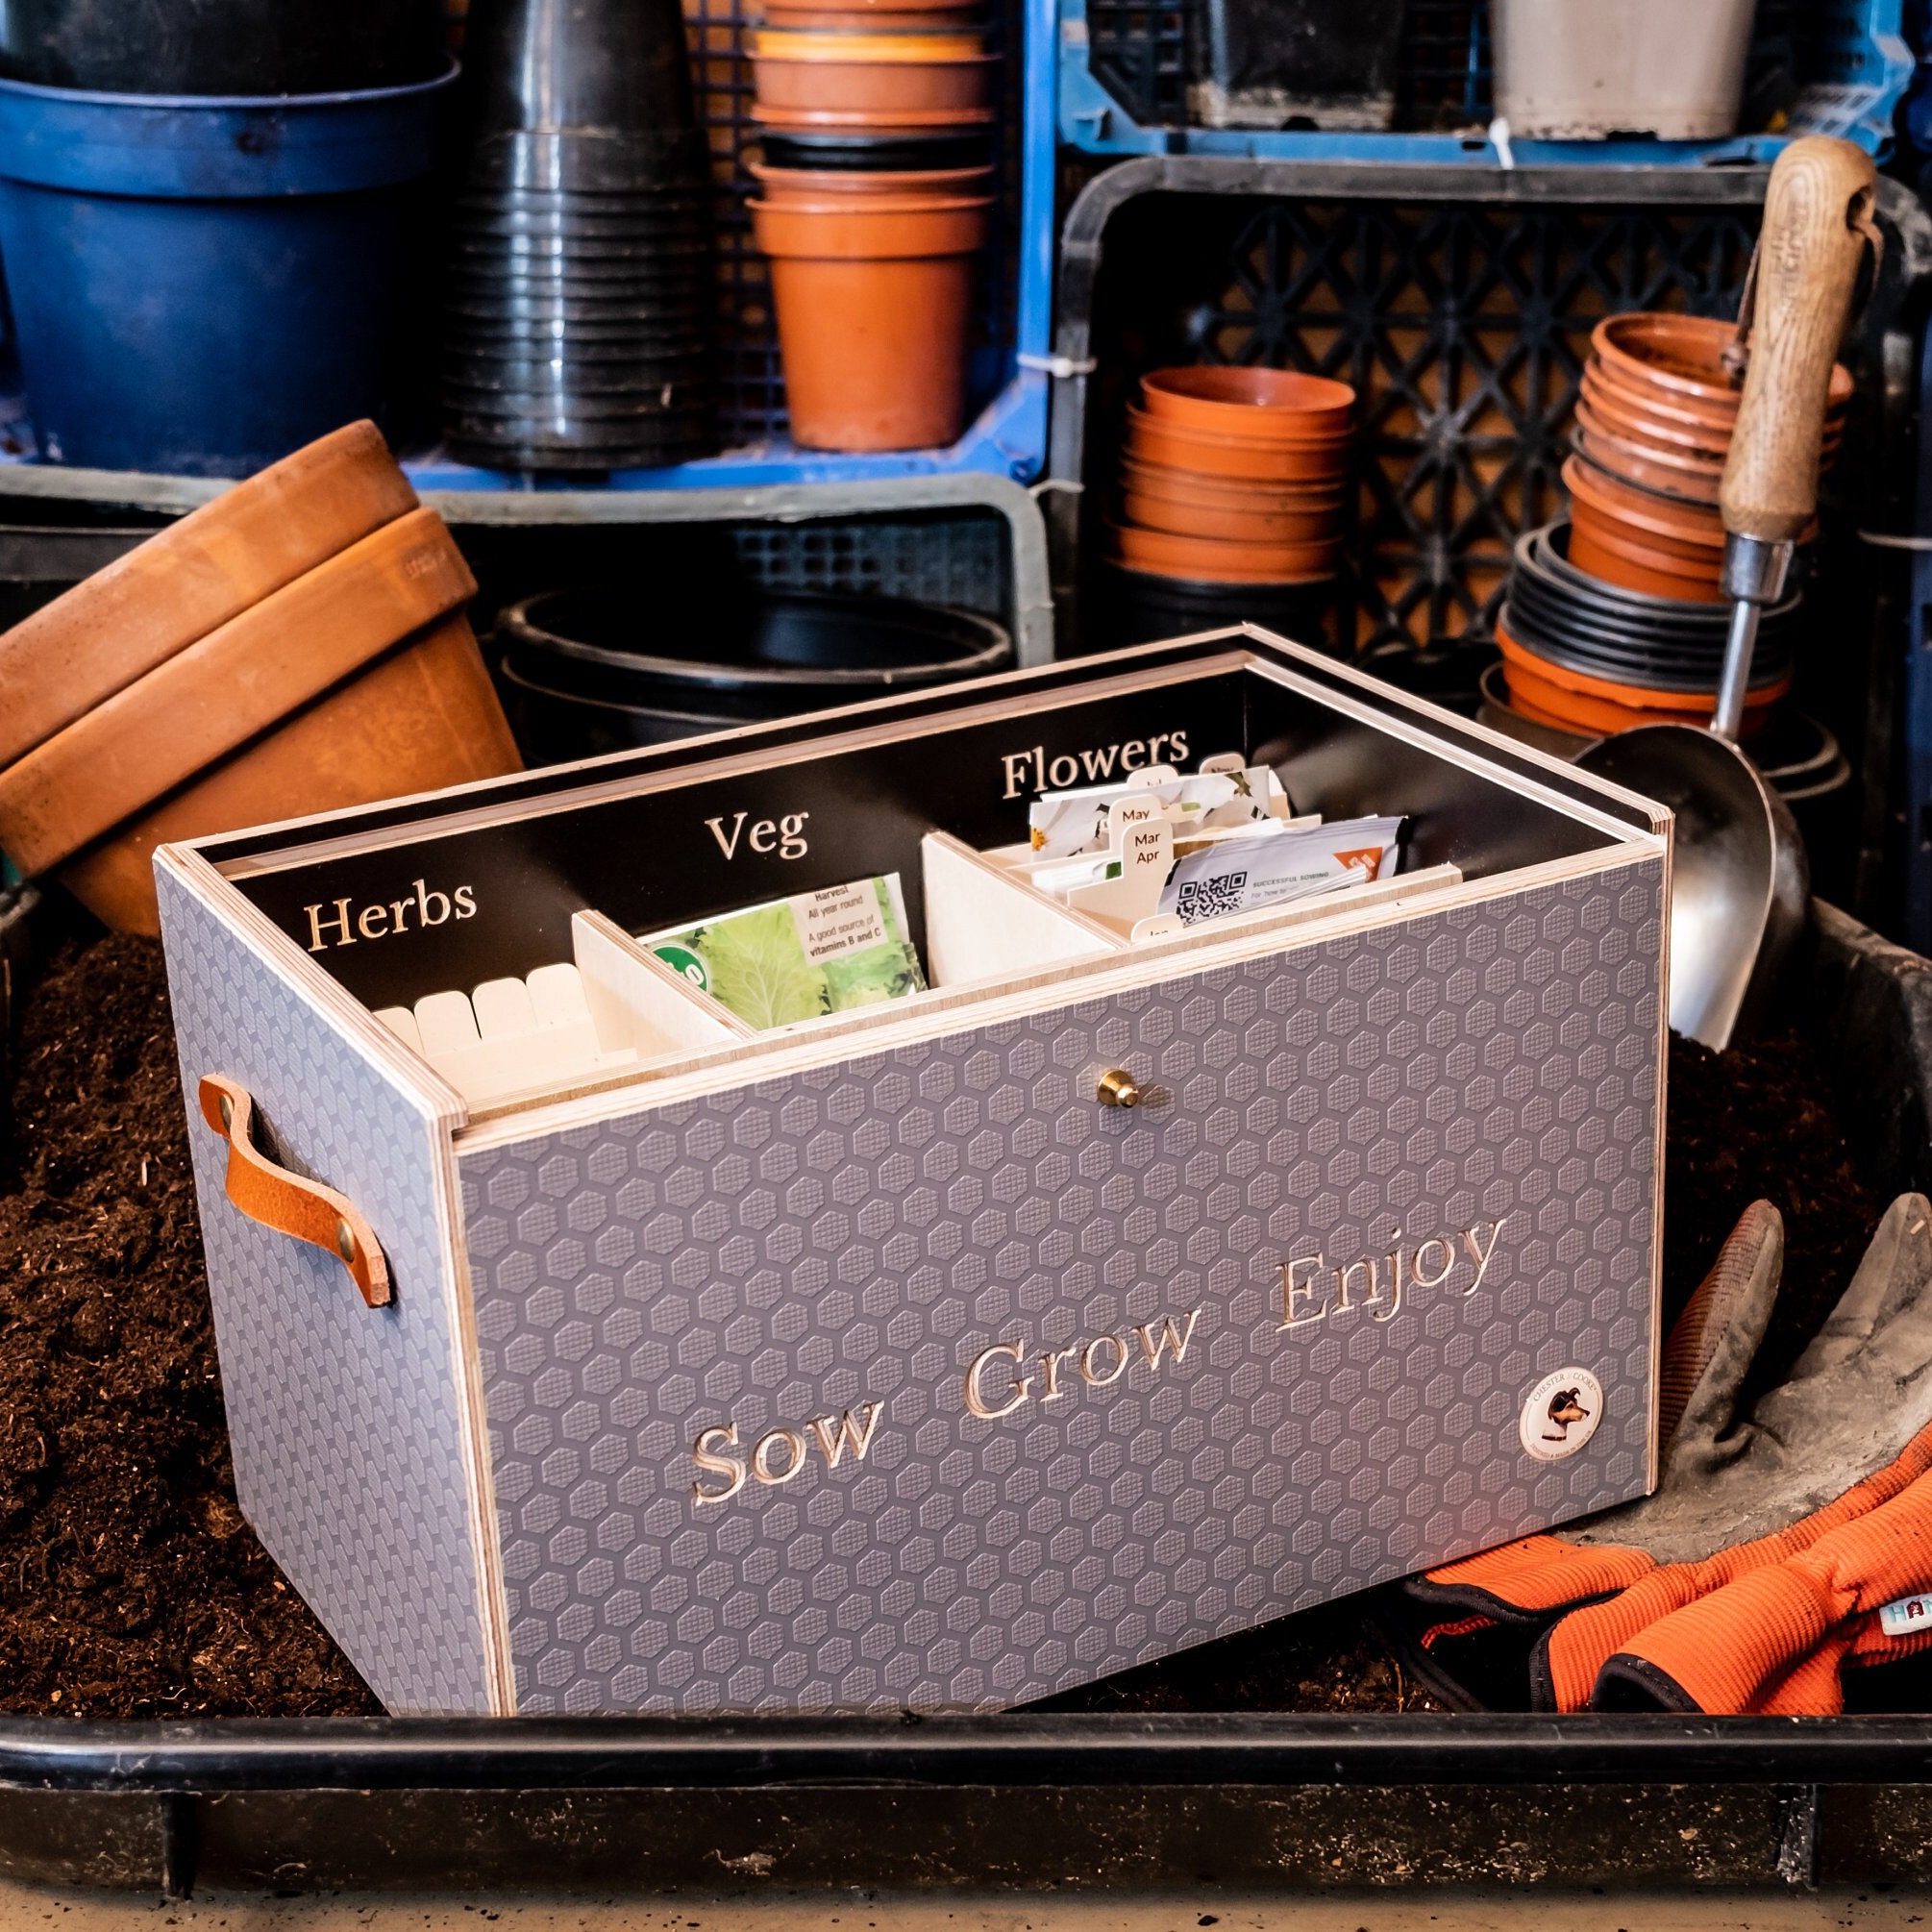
x: 1123, y: 88
x: 1009, y: 434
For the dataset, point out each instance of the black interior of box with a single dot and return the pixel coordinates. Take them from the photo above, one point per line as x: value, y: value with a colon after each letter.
x: 457, y: 907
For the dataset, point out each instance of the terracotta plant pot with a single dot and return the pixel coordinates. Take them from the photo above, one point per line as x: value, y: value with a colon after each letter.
x: 1612, y: 552
x: 923, y: 46
x: 873, y: 308
x: 1688, y: 529
x: 1209, y: 492
x: 421, y: 718
x: 1152, y: 510
x: 1554, y: 694
x: 1683, y: 355
x: 1206, y: 559
x: 881, y: 81
x: 198, y: 744
x: 118, y: 624
x: 843, y: 21
x: 873, y: 121
x: 1719, y: 415
x: 1670, y: 431
x: 1642, y: 464
x: 788, y: 187
x: 1266, y: 405
x: 1174, y: 446
x: 782, y: 12
x: 1656, y: 350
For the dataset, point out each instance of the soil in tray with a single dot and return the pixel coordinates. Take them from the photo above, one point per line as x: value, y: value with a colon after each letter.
x: 130, y: 1587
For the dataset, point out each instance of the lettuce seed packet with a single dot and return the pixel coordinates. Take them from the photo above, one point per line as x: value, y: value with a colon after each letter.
x: 798, y: 959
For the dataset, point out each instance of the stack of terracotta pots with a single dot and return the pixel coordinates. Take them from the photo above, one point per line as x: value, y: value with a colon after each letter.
x: 297, y: 645
x: 1619, y: 618
x: 1654, y: 428
x: 876, y: 196
x: 1235, y: 476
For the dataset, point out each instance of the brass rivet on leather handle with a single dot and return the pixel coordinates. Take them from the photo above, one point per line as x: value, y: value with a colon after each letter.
x: 226, y: 1113
x: 345, y: 1243
x: 1118, y: 1088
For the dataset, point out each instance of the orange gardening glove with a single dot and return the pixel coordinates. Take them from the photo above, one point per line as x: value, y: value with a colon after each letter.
x: 1532, y: 1625
x: 1780, y: 1637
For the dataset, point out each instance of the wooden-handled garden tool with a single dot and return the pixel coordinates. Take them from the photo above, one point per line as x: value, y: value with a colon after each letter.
x: 1740, y: 884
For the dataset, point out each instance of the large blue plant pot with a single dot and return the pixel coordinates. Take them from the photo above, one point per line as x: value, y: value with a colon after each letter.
x: 201, y: 284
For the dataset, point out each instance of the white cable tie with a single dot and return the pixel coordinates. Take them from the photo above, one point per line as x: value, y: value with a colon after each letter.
x: 1060, y: 367
x: 1046, y: 484
x: 1879, y: 540
x: 1498, y: 140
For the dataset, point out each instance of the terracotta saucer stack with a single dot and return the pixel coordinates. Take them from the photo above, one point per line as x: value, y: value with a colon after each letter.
x: 1235, y: 477
x: 1654, y: 429
x: 876, y: 192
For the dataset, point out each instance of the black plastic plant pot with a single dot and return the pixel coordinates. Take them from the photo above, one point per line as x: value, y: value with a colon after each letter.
x: 570, y: 299
x: 577, y: 163
x: 749, y: 655
x: 587, y: 345
x: 883, y: 154
x: 641, y: 371
x: 580, y: 449
x: 1652, y: 671
x: 555, y: 727
x: 1279, y: 64
x: 46, y: 547
x: 613, y: 66
x: 1137, y: 607
x: 512, y: 232
x: 221, y: 47
x: 670, y: 265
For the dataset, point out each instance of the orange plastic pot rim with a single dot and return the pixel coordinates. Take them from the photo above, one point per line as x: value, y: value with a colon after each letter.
x: 836, y: 49
x: 1631, y: 697
x: 868, y: 231
x: 1215, y: 492
x: 826, y: 184
x: 1267, y: 560
x: 1211, y: 397
x: 872, y: 121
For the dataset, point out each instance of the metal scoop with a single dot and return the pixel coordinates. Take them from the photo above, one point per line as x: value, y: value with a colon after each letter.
x: 1740, y: 884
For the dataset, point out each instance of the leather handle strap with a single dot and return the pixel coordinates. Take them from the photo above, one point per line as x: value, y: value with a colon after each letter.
x: 290, y: 1202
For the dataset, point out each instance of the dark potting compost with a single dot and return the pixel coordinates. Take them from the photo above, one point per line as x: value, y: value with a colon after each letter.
x: 130, y: 1586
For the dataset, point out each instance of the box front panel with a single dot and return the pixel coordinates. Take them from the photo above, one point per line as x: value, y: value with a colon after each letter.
x: 925, y: 1381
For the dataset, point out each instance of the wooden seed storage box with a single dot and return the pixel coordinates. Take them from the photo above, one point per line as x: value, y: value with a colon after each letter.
x: 874, y: 1362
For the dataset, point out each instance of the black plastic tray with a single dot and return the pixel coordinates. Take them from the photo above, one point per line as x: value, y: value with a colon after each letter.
x: 1031, y: 1801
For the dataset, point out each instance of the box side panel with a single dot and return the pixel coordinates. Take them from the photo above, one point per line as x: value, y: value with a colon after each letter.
x: 345, y: 1419
x: 1062, y: 1476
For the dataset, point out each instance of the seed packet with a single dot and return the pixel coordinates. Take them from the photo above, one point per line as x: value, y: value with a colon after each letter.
x: 797, y: 958
x: 1066, y: 824
x: 1234, y: 876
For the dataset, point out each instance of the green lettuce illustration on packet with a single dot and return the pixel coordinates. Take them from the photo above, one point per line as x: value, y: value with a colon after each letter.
x: 755, y: 962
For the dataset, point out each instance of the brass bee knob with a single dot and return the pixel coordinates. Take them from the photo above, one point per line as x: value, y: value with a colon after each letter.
x: 1118, y: 1088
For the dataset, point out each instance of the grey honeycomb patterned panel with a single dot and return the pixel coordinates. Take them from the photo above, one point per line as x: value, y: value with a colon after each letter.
x: 344, y: 1418
x: 796, y: 1249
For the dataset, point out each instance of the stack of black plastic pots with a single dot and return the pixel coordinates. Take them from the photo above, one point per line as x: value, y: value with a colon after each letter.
x: 1583, y: 653
x: 583, y: 284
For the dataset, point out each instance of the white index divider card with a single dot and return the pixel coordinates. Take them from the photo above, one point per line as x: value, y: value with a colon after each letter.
x: 1146, y: 855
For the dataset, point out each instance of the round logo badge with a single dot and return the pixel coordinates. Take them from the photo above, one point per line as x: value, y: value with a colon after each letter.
x: 681, y: 959
x: 1560, y: 1414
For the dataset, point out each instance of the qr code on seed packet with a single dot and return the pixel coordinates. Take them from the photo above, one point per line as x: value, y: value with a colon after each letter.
x: 1210, y: 898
